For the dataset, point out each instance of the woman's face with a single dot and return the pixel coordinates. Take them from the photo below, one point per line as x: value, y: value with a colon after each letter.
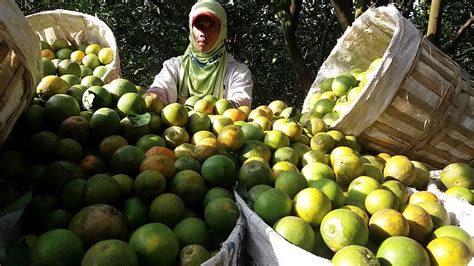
x: 205, y: 33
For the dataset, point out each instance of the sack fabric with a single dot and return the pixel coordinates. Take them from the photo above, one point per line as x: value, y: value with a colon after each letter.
x: 77, y: 28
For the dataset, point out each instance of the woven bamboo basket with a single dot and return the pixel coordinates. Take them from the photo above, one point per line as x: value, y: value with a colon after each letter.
x: 418, y: 102
x: 77, y: 28
x: 20, y: 65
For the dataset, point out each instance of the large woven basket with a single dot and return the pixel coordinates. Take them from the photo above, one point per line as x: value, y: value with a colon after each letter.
x: 419, y: 102
x: 77, y: 28
x: 20, y: 65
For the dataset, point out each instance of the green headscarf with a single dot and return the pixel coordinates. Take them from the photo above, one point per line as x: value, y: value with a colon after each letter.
x: 203, y: 73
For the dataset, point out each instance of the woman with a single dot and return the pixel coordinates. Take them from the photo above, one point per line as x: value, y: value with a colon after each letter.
x: 205, y: 68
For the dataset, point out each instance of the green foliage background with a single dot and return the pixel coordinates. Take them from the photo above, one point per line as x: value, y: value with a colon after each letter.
x: 150, y: 32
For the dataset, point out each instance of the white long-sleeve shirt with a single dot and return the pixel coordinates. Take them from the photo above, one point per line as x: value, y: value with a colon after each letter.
x: 238, y: 83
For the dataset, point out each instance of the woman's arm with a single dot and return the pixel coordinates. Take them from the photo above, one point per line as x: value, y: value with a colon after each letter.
x: 239, y: 85
x: 165, y: 85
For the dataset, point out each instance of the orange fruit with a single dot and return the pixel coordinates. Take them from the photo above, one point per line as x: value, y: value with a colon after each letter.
x: 386, y: 223
x: 401, y: 250
x: 256, y: 113
x: 398, y: 189
x: 168, y: 209
x: 189, y: 186
x: 292, y: 130
x: 291, y: 183
x: 311, y: 205
x: 192, y: 230
x: 221, y: 214
x: 219, y: 123
x: 48, y: 54
x: 234, y: 114
x: 257, y: 190
x: 422, y: 176
x: 187, y: 163
x: 315, y: 125
x: 198, y: 121
x: 185, y: 149
x: 219, y: 170
x: 438, y: 213
x: 222, y: 105
x: 419, y: 221
x: 255, y: 172
x: 275, y: 139
x: 277, y: 106
x: 231, y: 137
x: 101, y: 189
x: 159, y: 150
x: 272, y: 205
x: 355, y: 255
x: 93, y: 49
x: 347, y: 167
x: 421, y: 196
x: 399, y: 167
x: 458, y: 175
x: 367, y: 158
x: 174, y: 114
x: 60, y: 107
x: 452, y: 231
x: 193, y: 254
x: 208, y: 147
x: 111, y: 251
x: 461, y: 193
x: 216, y: 192
x: 360, y: 187
x: 381, y: 199
x: 336, y: 152
x: 175, y: 136
x: 245, y: 109
x: 351, y: 141
x: 155, y: 244
x: 448, y: 250
x: 362, y: 214
x: 264, y: 122
x: 338, y: 136
x: 285, y: 154
x: 373, y: 171
x: 252, y: 131
x: 149, y: 184
x: 342, y: 84
x: 153, y: 103
x: 341, y: 228
x: 268, y: 111
x: 331, y: 189
x: 254, y: 148
x: 148, y: 141
x: 105, y: 122
x: 126, y: 160
x: 316, y: 171
x: 57, y: 246
x: 322, y: 142
x: 126, y: 185
x: 296, y: 231
x: 160, y: 163
x: 204, y: 106
x: 200, y: 135
x: 283, y: 167
x: 314, y: 157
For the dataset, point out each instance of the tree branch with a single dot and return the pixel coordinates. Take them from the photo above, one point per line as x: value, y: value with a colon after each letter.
x: 343, y: 12
x: 289, y: 21
x: 432, y: 33
x: 451, y: 45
